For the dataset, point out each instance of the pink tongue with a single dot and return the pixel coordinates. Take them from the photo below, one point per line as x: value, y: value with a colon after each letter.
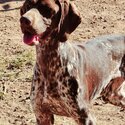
x: 30, y: 39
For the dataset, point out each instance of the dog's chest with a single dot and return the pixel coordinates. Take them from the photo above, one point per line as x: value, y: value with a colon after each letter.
x: 56, y: 87
x: 57, y: 92
x: 55, y: 96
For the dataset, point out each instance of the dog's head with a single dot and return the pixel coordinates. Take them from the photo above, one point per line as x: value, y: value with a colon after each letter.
x: 41, y: 18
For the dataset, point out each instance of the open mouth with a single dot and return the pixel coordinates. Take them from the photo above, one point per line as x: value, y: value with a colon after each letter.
x: 35, y: 39
x: 31, y: 39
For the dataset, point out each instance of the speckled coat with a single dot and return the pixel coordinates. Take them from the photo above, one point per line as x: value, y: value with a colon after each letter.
x: 68, y: 75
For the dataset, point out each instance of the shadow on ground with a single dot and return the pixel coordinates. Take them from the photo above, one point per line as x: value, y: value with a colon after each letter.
x: 6, y: 5
x: 4, y: 1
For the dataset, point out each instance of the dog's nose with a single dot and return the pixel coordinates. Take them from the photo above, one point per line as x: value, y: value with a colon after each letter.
x: 25, y: 21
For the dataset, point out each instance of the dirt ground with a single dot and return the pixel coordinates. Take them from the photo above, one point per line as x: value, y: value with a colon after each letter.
x: 99, y: 17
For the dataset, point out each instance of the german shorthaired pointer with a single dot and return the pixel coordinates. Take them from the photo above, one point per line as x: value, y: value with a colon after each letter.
x: 67, y: 76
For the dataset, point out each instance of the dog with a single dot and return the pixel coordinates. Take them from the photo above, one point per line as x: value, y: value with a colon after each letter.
x: 69, y: 75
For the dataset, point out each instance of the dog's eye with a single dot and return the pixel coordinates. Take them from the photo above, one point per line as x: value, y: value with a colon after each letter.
x: 45, y: 11
x: 21, y: 11
x: 33, y: 1
x: 26, y: 6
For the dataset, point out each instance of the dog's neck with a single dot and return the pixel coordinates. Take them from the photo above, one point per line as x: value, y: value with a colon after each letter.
x: 47, y: 55
x: 49, y: 44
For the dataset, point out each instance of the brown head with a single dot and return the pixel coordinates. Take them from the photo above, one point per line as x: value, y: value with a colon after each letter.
x: 42, y: 18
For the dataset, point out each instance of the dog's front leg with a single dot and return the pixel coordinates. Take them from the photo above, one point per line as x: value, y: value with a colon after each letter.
x: 44, y: 118
x: 42, y: 113
x: 84, y: 118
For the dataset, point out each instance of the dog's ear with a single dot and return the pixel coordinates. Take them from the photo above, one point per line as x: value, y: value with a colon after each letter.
x: 69, y: 19
x: 74, y: 18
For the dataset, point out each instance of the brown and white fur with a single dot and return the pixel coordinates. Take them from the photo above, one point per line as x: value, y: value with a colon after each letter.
x: 68, y: 75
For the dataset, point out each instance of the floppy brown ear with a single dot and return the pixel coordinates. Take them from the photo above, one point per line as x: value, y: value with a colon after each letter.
x: 73, y: 17
x: 69, y: 19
